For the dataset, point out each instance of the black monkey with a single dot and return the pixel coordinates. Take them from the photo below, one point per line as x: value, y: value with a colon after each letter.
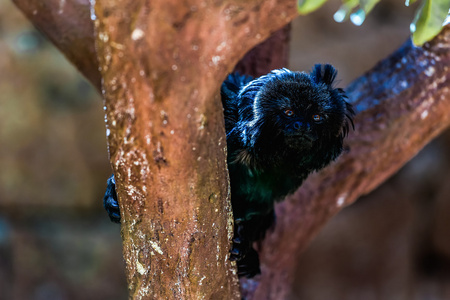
x: 280, y: 128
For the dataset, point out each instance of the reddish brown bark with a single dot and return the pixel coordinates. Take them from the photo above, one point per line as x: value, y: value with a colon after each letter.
x: 161, y: 65
x: 271, y: 54
x: 67, y: 24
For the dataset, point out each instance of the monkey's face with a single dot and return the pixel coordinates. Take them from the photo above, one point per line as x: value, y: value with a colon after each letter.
x: 301, y: 112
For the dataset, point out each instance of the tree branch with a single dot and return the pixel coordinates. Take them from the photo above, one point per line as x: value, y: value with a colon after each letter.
x: 402, y: 104
x: 67, y: 24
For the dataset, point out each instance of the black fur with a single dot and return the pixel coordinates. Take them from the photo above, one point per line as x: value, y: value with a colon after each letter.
x: 274, y: 143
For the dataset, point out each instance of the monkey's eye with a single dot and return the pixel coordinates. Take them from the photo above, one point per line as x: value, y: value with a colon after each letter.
x: 288, y: 112
x: 317, y: 118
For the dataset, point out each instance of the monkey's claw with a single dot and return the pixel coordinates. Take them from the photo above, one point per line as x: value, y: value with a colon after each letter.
x: 245, y: 256
x: 239, y: 250
x: 249, y: 265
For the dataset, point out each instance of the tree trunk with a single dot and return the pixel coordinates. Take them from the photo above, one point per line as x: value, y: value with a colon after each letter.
x: 161, y: 64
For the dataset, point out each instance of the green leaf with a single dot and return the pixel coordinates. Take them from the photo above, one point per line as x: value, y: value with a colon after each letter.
x: 350, y: 3
x: 428, y: 20
x: 306, y: 6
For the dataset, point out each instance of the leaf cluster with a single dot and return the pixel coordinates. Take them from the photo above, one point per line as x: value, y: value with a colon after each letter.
x: 430, y: 17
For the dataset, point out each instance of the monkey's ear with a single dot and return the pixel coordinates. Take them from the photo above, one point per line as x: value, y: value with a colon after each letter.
x: 324, y: 74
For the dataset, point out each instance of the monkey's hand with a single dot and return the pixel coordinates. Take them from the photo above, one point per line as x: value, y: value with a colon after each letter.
x: 247, y: 231
x: 110, y: 200
x: 246, y: 257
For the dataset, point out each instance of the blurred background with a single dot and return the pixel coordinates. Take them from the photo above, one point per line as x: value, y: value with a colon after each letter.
x: 56, y: 242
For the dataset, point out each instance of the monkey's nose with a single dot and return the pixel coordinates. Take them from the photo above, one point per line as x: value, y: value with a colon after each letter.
x: 297, y: 125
